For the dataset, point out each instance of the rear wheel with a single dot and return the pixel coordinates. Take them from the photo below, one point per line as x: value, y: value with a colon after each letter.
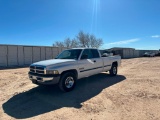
x: 113, y: 71
x: 67, y: 82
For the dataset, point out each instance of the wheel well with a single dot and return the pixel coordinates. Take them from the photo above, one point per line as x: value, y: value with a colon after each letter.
x: 115, y: 63
x: 72, y: 71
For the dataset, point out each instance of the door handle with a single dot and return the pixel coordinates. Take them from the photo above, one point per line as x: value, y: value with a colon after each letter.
x: 94, y: 60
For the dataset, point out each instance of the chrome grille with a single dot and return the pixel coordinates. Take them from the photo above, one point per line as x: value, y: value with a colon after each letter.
x: 37, y: 69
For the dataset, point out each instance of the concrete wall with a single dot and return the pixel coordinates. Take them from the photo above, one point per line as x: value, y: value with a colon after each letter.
x: 18, y: 55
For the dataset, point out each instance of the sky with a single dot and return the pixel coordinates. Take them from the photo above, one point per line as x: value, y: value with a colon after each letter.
x: 120, y: 23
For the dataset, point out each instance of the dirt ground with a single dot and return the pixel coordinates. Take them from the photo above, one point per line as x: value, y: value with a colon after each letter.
x: 134, y: 94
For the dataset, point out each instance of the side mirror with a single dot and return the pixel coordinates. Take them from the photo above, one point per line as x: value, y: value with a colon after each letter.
x: 84, y: 57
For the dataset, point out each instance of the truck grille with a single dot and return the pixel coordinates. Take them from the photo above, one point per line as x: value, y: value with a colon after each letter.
x: 37, y: 69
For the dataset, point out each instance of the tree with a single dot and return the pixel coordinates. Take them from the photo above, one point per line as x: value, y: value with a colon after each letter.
x: 67, y: 42
x: 74, y: 43
x: 58, y: 44
x: 81, y: 40
x: 95, y: 43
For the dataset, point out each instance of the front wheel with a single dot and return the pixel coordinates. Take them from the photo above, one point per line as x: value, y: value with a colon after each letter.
x: 113, y: 71
x: 67, y: 82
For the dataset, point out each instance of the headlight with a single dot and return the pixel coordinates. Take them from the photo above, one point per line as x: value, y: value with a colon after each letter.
x: 52, y: 72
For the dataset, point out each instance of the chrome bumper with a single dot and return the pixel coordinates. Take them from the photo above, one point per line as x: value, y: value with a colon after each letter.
x: 43, y: 80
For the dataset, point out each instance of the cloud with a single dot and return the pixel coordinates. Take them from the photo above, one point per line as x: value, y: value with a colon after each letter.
x: 155, y: 36
x: 124, y: 42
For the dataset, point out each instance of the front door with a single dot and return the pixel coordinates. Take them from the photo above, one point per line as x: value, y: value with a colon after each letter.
x: 88, y: 65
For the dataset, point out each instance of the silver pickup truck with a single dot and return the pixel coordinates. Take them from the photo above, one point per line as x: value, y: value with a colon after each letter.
x: 70, y: 65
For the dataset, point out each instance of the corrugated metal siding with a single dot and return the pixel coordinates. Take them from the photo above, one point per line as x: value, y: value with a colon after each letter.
x: 20, y: 56
x: 3, y: 56
x: 43, y: 52
x: 49, y: 53
x: 36, y: 54
x: 27, y: 55
x: 12, y: 55
x: 55, y: 52
x: 59, y: 50
x: 126, y: 53
x: 136, y: 53
x: 131, y: 53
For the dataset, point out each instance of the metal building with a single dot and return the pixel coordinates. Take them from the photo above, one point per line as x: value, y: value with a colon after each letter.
x: 125, y: 52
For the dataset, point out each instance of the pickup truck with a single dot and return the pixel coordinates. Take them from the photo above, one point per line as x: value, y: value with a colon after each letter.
x: 70, y: 65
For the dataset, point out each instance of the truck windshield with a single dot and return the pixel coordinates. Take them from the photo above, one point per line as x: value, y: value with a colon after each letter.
x: 69, y: 54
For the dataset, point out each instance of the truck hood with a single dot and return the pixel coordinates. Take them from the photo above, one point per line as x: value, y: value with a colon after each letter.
x: 52, y: 62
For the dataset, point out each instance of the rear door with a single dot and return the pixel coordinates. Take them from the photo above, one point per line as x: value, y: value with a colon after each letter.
x: 88, y: 66
x: 107, y: 62
x: 98, y: 60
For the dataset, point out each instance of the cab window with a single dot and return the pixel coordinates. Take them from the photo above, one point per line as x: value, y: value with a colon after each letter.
x: 95, y: 53
x: 87, y: 54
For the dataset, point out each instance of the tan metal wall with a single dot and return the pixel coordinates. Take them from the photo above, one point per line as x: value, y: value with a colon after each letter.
x: 12, y: 55
x: 27, y: 55
x: 19, y: 55
x: 36, y: 54
x: 49, y: 53
x: 55, y: 51
x: 126, y: 53
x: 130, y: 53
x: 3, y: 56
x: 43, y: 53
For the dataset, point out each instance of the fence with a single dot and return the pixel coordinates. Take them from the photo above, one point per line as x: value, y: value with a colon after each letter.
x: 19, y: 55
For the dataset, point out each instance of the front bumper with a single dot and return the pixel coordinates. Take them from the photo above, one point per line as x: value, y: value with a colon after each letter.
x: 44, y: 79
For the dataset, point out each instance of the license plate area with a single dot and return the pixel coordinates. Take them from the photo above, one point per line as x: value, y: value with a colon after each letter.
x: 36, y: 78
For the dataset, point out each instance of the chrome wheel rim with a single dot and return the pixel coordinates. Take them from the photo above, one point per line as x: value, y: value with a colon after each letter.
x: 69, y: 82
x: 114, y: 70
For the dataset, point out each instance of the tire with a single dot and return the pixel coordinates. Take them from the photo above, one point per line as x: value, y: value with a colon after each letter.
x: 113, y: 71
x: 67, y: 82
